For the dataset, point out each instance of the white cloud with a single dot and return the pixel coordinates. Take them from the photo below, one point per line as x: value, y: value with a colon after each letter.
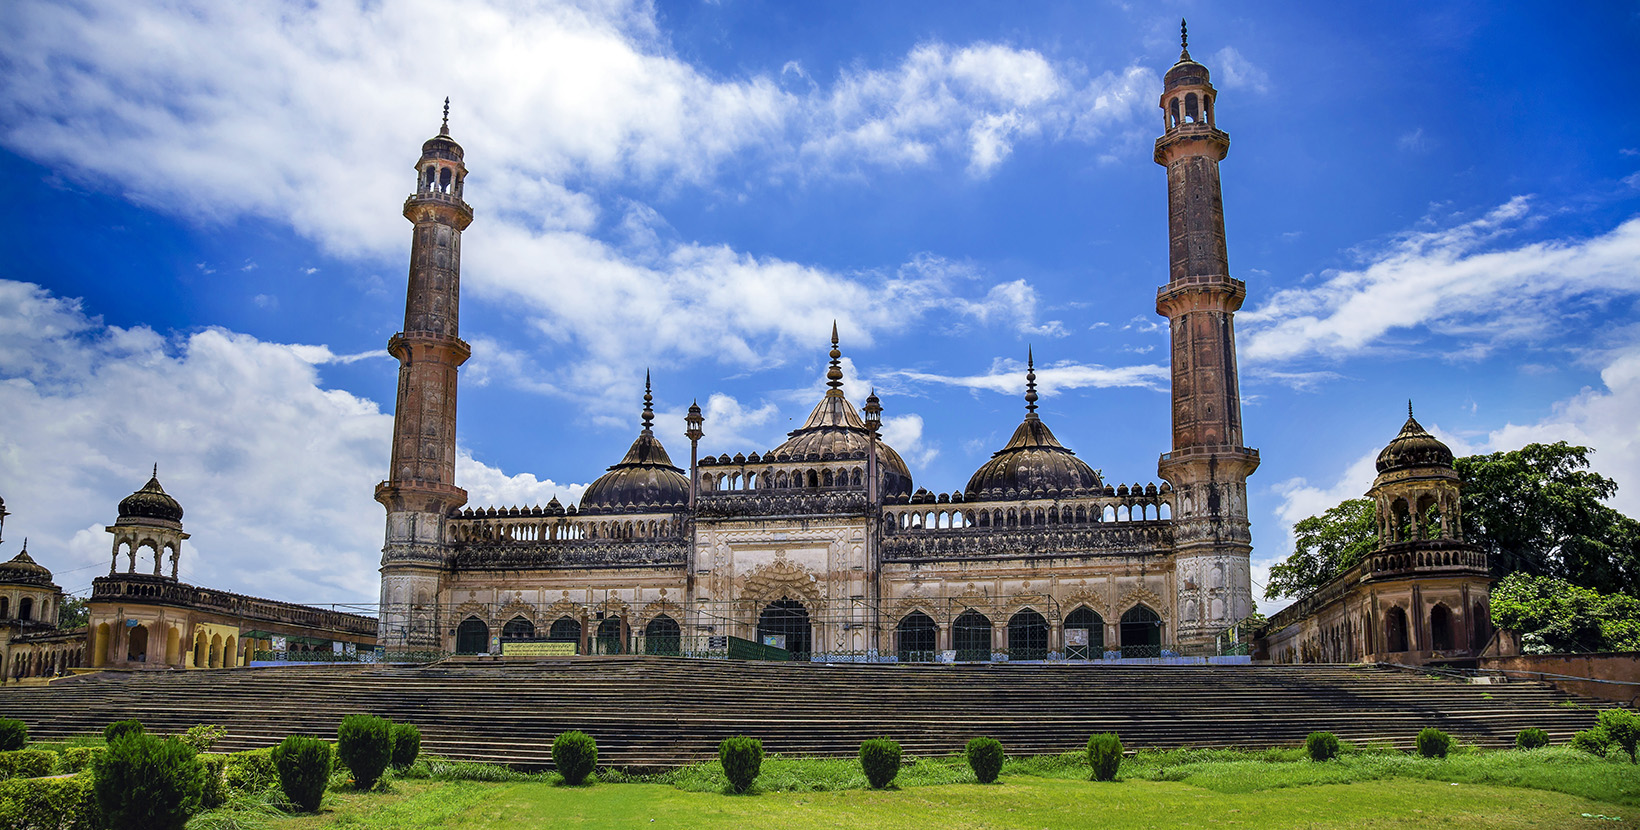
x: 905, y: 434
x: 1236, y: 72
x: 1457, y: 281
x: 273, y: 469
x: 1007, y: 376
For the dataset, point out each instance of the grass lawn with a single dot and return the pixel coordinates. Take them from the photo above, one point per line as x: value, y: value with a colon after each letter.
x: 1018, y: 802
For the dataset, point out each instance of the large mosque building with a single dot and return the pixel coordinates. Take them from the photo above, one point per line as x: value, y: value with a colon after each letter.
x: 824, y: 545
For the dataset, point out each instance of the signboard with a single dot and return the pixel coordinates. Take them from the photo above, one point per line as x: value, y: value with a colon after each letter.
x: 280, y: 643
x: 352, y: 649
x: 717, y: 643
x: 335, y: 648
x: 132, y: 623
x: 1076, y: 637
x: 521, y: 648
x: 775, y: 640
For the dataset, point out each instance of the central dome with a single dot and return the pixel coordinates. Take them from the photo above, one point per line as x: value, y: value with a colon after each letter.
x: 1033, y: 459
x: 645, y: 478
x: 835, y: 427
x: 1414, y: 447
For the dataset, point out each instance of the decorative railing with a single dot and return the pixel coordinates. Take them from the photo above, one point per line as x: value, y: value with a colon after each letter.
x: 579, y: 553
x: 1419, y: 557
x: 541, y: 526
x: 769, y: 503
x: 163, y: 591
x: 941, y: 543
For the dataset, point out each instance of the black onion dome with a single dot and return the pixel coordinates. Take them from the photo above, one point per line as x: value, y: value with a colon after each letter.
x: 1414, y: 447
x: 22, y: 569
x: 1032, y: 460
x: 151, y: 502
x: 442, y: 146
x: 644, y: 478
x: 835, y: 427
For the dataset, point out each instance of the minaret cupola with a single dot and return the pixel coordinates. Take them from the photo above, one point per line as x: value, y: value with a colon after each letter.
x: 1187, y: 92
x: 440, y: 171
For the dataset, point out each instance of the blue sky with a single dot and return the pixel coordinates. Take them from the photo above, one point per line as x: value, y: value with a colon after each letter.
x: 1434, y: 201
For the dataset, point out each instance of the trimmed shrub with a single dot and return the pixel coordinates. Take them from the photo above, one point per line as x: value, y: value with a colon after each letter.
x: 27, y: 763
x: 251, y: 770
x: 78, y: 758
x: 364, y: 744
x: 575, y: 754
x: 985, y: 757
x: 121, y: 727
x: 1433, y: 743
x: 1593, y: 741
x: 147, y: 783
x: 1623, y: 728
x: 880, y: 758
x: 406, y: 745
x: 742, y: 759
x: 1322, y: 746
x: 1105, y: 755
x: 54, y: 803
x: 13, y: 734
x: 215, y: 791
x: 304, y: 769
x: 204, y: 736
x: 1531, y: 738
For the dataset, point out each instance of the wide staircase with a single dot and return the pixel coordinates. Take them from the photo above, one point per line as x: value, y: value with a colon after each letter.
x: 650, y: 711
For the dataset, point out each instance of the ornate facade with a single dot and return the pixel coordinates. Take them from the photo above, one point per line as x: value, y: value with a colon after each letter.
x: 823, y: 544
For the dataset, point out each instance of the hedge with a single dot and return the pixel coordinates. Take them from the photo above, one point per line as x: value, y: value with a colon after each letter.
x: 48, y: 804
x: 78, y: 758
x: 215, y: 791
x: 985, y: 756
x: 148, y: 783
x: 27, y: 763
x: 364, y: 743
x: 575, y: 755
x: 251, y: 770
x: 13, y: 734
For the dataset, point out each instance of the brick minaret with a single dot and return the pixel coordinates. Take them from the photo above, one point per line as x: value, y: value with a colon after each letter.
x: 1208, y: 466
x: 420, y: 488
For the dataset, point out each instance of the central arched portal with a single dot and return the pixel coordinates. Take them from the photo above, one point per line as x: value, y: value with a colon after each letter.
x: 662, y: 636
x: 1141, y: 633
x: 786, y: 621
x: 1027, y: 636
x: 917, y: 638
x: 971, y: 637
x: 472, y: 636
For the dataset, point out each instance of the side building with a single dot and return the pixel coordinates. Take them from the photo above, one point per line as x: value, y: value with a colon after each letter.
x: 31, y: 644
x: 1422, y: 595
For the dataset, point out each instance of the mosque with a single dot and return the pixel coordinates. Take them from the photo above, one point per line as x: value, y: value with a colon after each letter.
x: 824, y: 546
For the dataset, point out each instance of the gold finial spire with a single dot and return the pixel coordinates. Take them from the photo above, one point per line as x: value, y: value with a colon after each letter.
x: 834, y: 375
x: 648, y: 403
x: 1184, y: 40
x: 1030, y: 383
x: 444, y: 128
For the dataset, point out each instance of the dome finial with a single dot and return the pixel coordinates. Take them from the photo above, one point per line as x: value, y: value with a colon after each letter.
x: 156, y: 470
x: 1030, y: 383
x: 648, y: 403
x: 444, y: 128
x: 834, y: 375
x: 1409, y: 407
x: 1184, y: 40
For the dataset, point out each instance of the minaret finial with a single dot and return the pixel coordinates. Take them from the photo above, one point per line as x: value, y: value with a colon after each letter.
x: 648, y: 403
x: 1409, y: 407
x: 834, y: 375
x: 1184, y: 40
x: 156, y: 470
x: 444, y: 128
x: 1030, y: 383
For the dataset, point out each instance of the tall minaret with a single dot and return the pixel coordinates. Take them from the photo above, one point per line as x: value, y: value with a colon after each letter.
x: 420, y: 488
x: 1208, y: 466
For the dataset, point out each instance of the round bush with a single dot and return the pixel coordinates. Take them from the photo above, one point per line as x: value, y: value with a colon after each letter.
x: 575, y: 754
x: 1531, y: 738
x: 147, y: 783
x: 880, y: 758
x: 1593, y: 741
x: 985, y: 757
x: 365, y: 746
x: 742, y: 759
x: 121, y: 727
x: 1622, y: 727
x: 13, y: 734
x: 1322, y: 746
x: 304, y: 769
x: 1433, y: 743
x: 406, y: 745
x: 1105, y: 755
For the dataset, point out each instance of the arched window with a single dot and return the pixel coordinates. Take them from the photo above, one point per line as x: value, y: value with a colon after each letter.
x: 971, y: 636
x: 814, y: 479
x: 472, y: 637
x: 854, y: 477
x: 663, y: 637
x: 25, y: 607
x: 826, y: 479
x: 136, y: 641
x: 1480, y: 628
x: 1141, y: 633
x: 1027, y: 636
x: 916, y: 638
x: 1395, y: 629
x: 1085, y: 619
x: 611, y: 636
x: 5, y: 608
x: 565, y: 630
x: 784, y: 623
x: 518, y: 628
x: 1440, y: 628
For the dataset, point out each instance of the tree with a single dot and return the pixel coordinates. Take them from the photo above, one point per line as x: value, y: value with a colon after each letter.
x: 1539, y: 509
x: 1553, y: 615
x: 1327, y: 545
x: 73, y: 613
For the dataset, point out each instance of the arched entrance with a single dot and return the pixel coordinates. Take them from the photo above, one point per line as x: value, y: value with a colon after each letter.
x: 1395, y: 629
x: 663, y: 637
x: 99, y: 646
x: 787, y: 621
x: 1027, y: 636
x: 1141, y: 633
x: 611, y: 636
x: 201, y: 646
x: 230, y: 651
x: 1481, y: 628
x: 565, y: 630
x: 136, y: 644
x: 518, y: 628
x: 971, y: 636
x: 917, y: 636
x: 1440, y: 628
x: 1085, y: 619
x: 472, y: 637
x: 216, y: 651
x: 173, y: 646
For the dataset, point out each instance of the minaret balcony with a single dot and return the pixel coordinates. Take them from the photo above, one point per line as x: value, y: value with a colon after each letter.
x: 422, y: 197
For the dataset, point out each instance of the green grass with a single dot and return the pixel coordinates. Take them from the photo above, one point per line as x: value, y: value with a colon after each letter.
x: 1373, y: 786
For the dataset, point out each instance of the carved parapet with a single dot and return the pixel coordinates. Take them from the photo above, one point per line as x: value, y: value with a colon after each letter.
x: 143, y: 589
x: 1127, y: 538
x: 571, y: 553
x: 763, y: 504
x: 503, y: 526
x: 1424, y: 558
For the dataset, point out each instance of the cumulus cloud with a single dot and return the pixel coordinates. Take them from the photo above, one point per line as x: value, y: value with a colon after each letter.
x: 1007, y: 376
x: 1464, y: 280
x: 1236, y: 72
x: 273, y: 469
